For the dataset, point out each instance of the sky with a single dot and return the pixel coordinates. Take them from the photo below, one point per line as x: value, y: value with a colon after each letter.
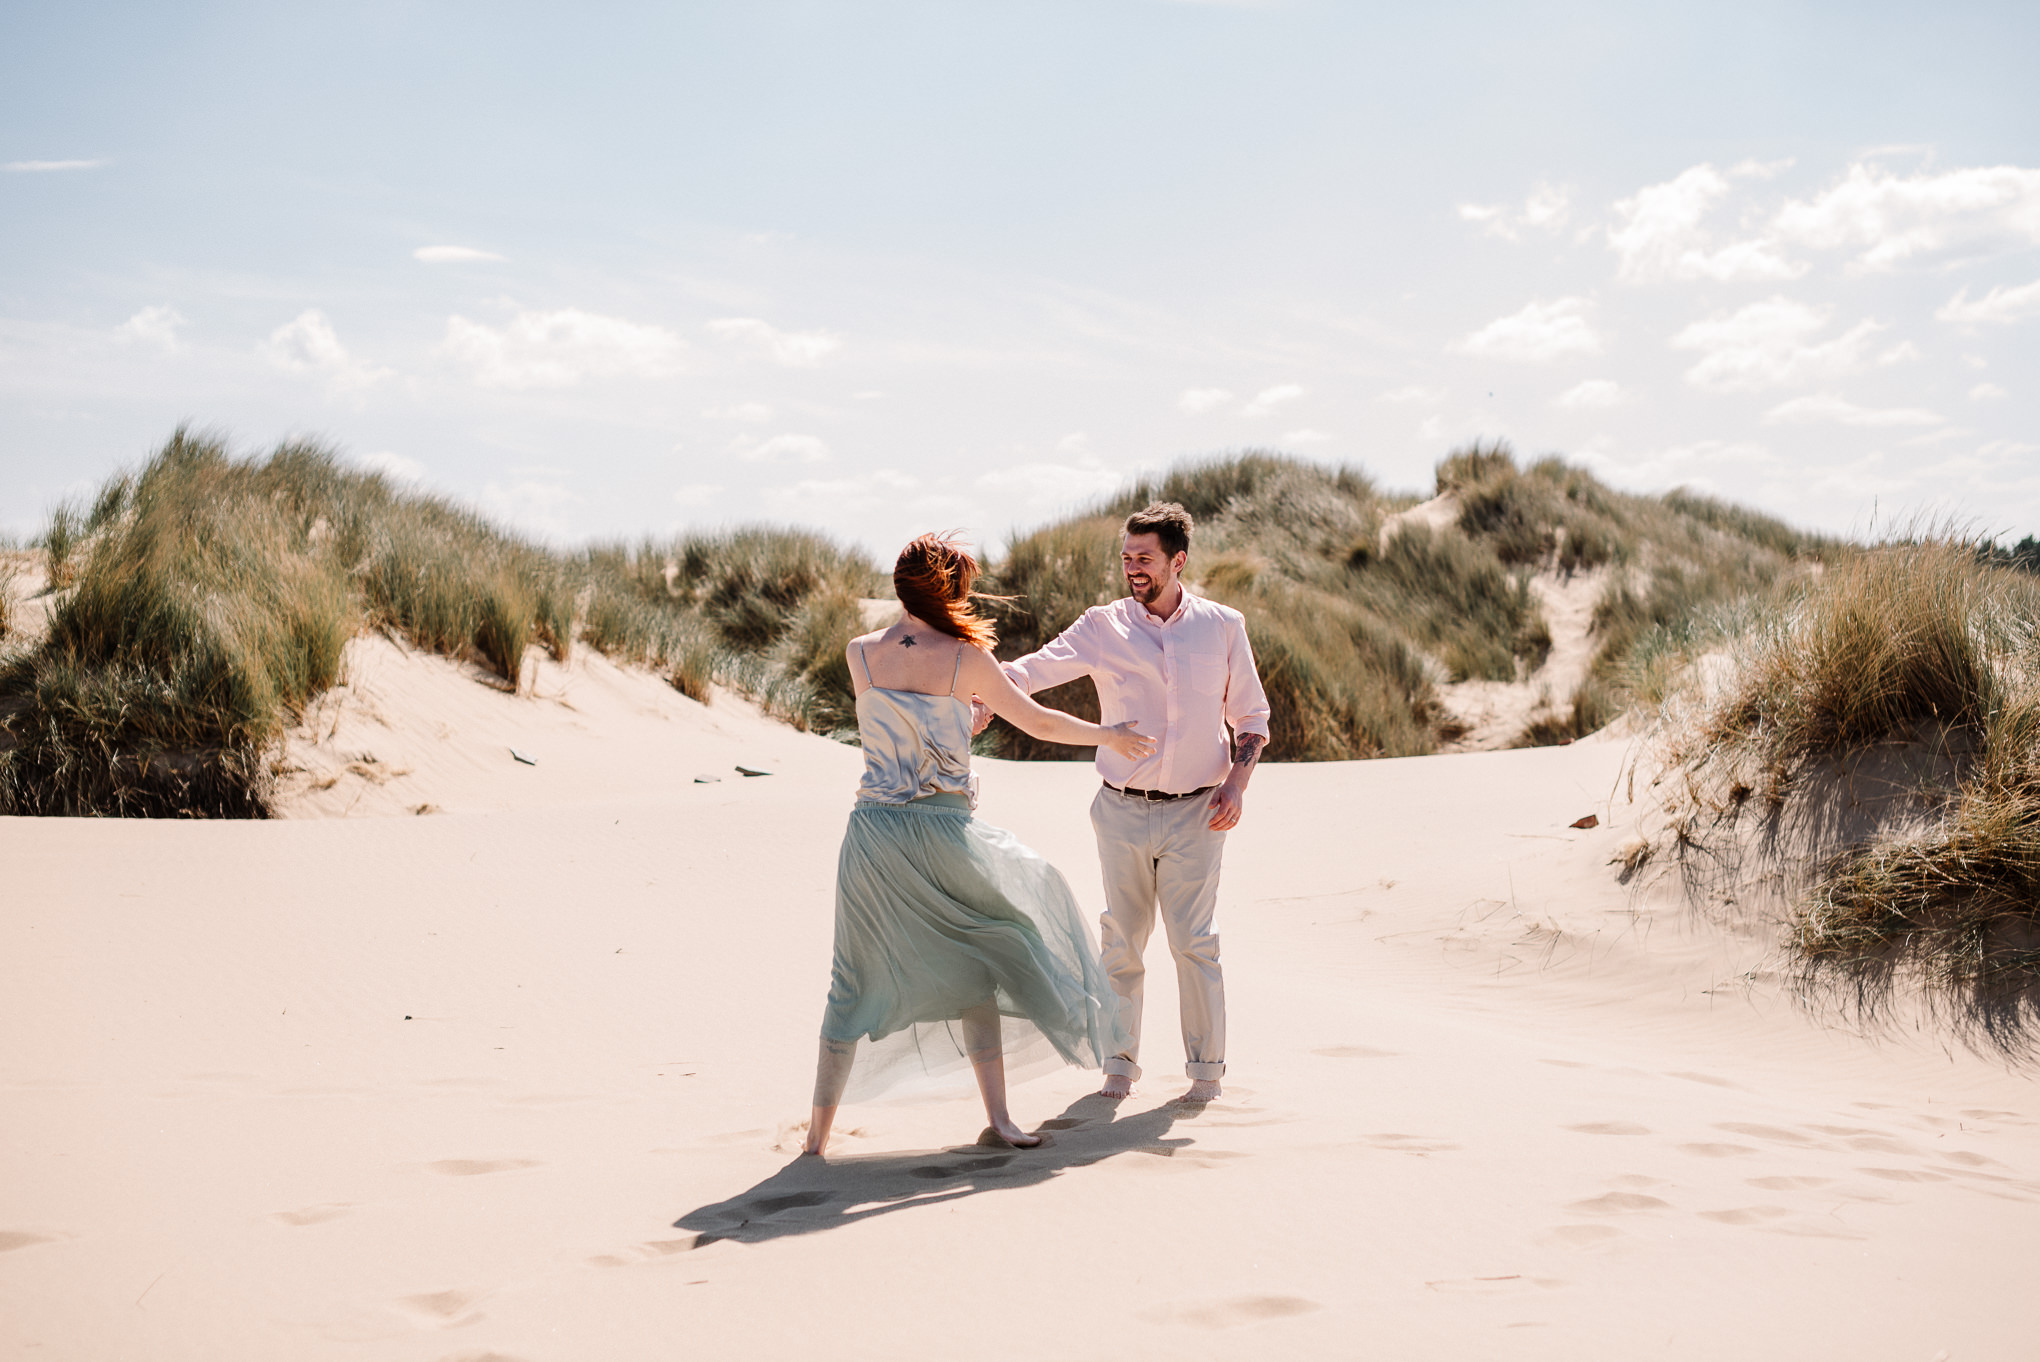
x: 876, y: 268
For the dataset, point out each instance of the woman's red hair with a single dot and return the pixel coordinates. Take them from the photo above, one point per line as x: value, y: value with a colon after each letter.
x: 933, y: 577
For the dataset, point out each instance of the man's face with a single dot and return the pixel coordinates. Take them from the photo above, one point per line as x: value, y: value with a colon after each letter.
x: 1149, y: 571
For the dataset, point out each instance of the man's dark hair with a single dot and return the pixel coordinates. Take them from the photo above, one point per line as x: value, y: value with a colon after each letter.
x: 1169, y: 523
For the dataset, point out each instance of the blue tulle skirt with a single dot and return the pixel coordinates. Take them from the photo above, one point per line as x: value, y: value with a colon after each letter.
x: 937, y: 912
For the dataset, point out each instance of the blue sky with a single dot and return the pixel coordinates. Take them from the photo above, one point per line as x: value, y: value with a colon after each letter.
x: 877, y: 268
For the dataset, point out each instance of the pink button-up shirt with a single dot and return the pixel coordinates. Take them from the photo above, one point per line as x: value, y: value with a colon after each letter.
x: 1182, y: 680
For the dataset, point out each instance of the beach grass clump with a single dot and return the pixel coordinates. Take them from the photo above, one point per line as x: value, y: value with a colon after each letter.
x: 197, y: 619
x: 204, y: 600
x: 1923, y: 645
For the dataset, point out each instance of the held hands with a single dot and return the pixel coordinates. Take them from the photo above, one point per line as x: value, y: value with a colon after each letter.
x: 980, y: 716
x: 1122, y: 739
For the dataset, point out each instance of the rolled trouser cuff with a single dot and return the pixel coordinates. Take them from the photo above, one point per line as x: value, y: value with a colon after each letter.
x: 1116, y: 1067
x: 1197, y: 1069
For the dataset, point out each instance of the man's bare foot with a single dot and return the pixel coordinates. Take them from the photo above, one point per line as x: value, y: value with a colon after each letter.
x: 1116, y: 1086
x: 1202, y: 1090
x: 1012, y: 1135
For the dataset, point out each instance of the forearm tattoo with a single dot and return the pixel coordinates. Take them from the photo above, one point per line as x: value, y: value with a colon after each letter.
x: 1247, y: 748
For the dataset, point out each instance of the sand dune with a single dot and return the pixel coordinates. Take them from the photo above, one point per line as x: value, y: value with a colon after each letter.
x: 522, y: 1080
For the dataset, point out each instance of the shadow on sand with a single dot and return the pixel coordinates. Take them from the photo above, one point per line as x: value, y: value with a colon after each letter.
x: 810, y: 1195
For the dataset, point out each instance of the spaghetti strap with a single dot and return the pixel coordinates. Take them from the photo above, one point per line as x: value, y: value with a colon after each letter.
x: 867, y: 667
x: 955, y: 672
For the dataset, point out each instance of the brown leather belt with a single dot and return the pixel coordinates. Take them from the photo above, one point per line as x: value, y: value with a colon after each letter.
x: 1158, y: 796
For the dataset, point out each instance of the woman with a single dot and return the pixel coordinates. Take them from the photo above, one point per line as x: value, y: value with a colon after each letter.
x: 945, y: 924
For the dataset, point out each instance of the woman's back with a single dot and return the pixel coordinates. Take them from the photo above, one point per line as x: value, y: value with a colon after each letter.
x: 916, y: 739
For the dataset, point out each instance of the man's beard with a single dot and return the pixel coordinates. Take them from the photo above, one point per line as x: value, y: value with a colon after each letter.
x: 1147, y: 597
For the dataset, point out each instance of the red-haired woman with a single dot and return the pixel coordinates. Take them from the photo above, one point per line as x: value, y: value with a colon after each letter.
x: 945, y: 925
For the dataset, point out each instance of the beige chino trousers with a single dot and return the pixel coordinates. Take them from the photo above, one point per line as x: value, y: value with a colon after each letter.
x: 1163, y: 854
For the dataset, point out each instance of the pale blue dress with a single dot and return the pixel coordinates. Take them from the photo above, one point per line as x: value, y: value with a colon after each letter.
x: 937, y: 912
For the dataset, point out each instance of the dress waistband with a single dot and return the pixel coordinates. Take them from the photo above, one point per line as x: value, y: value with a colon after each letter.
x: 944, y: 800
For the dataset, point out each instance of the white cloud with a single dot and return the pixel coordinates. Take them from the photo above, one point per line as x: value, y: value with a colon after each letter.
x: 1770, y: 344
x: 796, y: 348
x: 1268, y: 399
x: 696, y: 493
x: 1541, y: 331
x: 1594, y: 393
x: 753, y: 413
x: 559, y: 349
x: 1306, y: 436
x: 1985, y: 391
x: 308, y: 344
x: 1890, y: 218
x: 449, y: 255
x: 880, y: 487
x: 44, y: 167
x: 1048, y: 483
x: 1414, y: 393
x: 1827, y: 408
x: 2001, y: 304
x: 1546, y: 209
x: 1660, y: 233
x: 781, y: 449
x: 1196, y: 400
x: 393, y: 466
x: 155, y: 326
x: 531, y: 504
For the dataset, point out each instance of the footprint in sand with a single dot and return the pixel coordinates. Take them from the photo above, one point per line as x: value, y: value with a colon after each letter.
x: 1708, y: 1079
x: 313, y: 1215
x: 1620, y: 1203
x: 15, y: 1239
x: 469, y: 1168
x: 1969, y: 1160
x: 1746, y: 1215
x: 442, y: 1309
x: 1611, y: 1128
x: 1790, y: 1184
x: 1418, y: 1145
x: 1229, y: 1314
x: 1775, y: 1134
x: 650, y: 1251
x: 1716, y: 1150
x: 1904, y: 1174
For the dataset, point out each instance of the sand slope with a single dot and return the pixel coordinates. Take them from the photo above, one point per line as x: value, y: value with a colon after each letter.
x: 520, y: 1081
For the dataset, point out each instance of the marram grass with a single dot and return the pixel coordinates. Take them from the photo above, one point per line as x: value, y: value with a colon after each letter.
x: 205, y: 600
x: 1893, y: 644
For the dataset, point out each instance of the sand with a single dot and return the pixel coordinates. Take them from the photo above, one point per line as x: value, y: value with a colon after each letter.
x: 522, y: 1079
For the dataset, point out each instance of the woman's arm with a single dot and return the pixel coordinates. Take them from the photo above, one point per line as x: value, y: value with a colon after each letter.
x: 981, y: 674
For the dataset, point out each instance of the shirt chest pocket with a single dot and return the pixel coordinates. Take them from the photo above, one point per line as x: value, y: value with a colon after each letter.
x: 1207, y: 673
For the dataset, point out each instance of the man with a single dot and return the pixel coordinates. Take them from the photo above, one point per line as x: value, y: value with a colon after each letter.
x: 1180, y: 666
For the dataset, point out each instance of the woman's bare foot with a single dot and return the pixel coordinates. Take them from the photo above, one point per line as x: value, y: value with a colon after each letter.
x: 1013, y: 1135
x: 1116, y: 1086
x: 1202, y: 1090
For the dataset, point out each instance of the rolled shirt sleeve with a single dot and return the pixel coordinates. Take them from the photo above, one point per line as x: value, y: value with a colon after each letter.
x: 1246, y: 703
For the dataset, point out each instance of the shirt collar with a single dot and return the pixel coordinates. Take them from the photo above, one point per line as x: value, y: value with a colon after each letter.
x: 1147, y: 616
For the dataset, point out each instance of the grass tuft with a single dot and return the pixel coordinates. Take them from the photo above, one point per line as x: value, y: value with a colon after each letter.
x: 1924, y: 642
x: 204, y: 601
